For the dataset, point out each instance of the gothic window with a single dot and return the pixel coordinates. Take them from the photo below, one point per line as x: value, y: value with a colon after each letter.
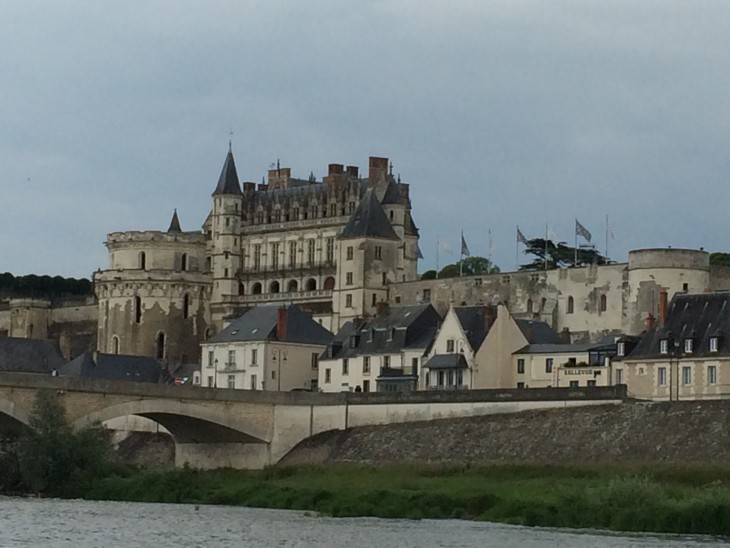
x: 350, y: 208
x: 313, y: 212
x: 333, y: 209
x: 292, y: 254
x: 115, y: 345
x: 295, y: 214
x: 160, y: 346
x: 292, y: 286
x: 570, y: 306
x: 329, y: 283
x: 256, y: 290
x: 257, y: 256
x: 137, y: 309
x: 277, y: 215
x: 275, y: 255
x: 260, y: 218
x: 274, y: 287
x: 310, y: 251
x: 330, y: 250
x: 241, y: 289
x: 186, y: 306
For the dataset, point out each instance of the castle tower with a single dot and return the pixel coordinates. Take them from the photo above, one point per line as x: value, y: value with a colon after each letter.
x: 396, y: 204
x: 368, y: 259
x: 224, y: 244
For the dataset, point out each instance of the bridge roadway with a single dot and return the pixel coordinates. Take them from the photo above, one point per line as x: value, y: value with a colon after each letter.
x: 215, y: 427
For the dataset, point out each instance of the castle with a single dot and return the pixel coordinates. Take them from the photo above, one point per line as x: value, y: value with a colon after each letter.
x: 339, y: 248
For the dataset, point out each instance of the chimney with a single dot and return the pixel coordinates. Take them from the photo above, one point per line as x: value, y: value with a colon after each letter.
x: 335, y: 169
x: 380, y: 307
x: 353, y: 170
x: 565, y: 336
x: 281, y: 317
x: 249, y: 187
x: 650, y: 320
x: 263, y: 187
x: 662, y: 307
x: 376, y: 166
x: 490, y: 315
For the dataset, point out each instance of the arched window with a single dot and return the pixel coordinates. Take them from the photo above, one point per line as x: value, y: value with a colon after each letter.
x: 569, y: 310
x: 256, y: 289
x: 311, y: 284
x: 329, y: 283
x: 529, y: 305
x: 184, y: 262
x: 186, y: 306
x: 208, y: 264
x: 603, y: 304
x: 241, y: 289
x: 292, y: 286
x: 115, y: 345
x: 274, y: 287
x: 160, y: 346
x: 137, y: 309
x: 142, y: 260
x: 543, y: 302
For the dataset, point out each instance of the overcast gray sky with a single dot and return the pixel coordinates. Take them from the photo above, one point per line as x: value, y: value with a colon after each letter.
x: 498, y: 113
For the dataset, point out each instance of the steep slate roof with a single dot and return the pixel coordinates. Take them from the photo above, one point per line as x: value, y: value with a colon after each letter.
x: 29, y: 355
x: 538, y: 332
x: 392, y: 194
x: 697, y: 316
x: 259, y: 324
x: 369, y: 220
x: 228, y: 181
x: 397, y: 328
x: 474, y: 324
x: 115, y: 367
x: 175, y: 223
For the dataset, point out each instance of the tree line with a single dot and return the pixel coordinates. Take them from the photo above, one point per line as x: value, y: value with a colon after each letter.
x: 33, y: 285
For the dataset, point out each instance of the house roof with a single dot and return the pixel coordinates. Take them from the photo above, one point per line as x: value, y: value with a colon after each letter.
x: 561, y: 348
x: 29, y: 355
x: 259, y: 324
x: 447, y: 361
x: 392, y: 194
x: 397, y: 328
x: 474, y: 323
x: 700, y: 317
x: 228, y: 181
x: 115, y: 367
x: 538, y: 332
x: 369, y: 220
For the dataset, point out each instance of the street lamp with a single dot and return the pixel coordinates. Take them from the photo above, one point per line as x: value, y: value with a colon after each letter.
x: 675, y: 374
x: 215, y: 373
x: 279, y: 356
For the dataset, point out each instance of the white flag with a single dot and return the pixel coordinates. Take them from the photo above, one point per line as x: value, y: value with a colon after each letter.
x: 441, y: 246
x: 551, y: 235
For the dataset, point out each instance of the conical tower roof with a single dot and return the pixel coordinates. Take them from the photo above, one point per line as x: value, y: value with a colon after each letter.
x: 369, y: 220
x: 175, y: 223
x: 228, y: 181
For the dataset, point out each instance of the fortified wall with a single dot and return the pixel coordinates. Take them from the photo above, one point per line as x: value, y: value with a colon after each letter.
x: 589, y: 301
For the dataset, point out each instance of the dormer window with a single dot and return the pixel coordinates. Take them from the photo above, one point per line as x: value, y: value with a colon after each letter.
x: 664, y: 346
x: 621, y: 349
x: 353, y: 341
x: 714, y: 344
x: 688, y: 346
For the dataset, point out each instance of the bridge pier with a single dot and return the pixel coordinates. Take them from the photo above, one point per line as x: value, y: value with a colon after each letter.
x: 207, y: 456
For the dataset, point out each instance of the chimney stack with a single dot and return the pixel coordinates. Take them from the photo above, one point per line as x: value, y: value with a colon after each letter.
x: 650, y: 320
x: 353, y: 170
x: 380, y: 307
x: 376, y: 166
x: 662, y: 307
x: 490, y: 315
x: 565, y: 336
x: 281, y: 321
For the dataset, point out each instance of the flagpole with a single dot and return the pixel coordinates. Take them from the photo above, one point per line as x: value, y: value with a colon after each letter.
x: 437, y: 257
x: 517, y: 249
x: 546, y: 246
x: 606, y: 237
x: 575, y: 249
x: 461, y: 255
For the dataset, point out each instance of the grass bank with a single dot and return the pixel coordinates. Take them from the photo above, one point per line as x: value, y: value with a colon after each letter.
x: 660, y: 498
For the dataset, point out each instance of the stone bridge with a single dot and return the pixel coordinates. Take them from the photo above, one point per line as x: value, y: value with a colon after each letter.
x: 214, y: 427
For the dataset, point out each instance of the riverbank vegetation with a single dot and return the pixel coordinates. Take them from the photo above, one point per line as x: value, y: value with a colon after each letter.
x: 664, y: 498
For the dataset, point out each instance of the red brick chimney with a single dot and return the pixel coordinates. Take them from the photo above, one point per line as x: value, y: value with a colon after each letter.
x: 380, y: 307
x: 376, y: 166
x: 650, y: 320
x: 662, y: 307
x: 281, y: 318
x: 353, y: 170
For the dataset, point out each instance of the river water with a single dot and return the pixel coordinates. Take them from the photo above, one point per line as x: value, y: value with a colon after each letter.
x: 81, y: 524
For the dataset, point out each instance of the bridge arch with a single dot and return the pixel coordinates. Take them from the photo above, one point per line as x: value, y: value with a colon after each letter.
x: 12, y: 417
x: 187, y: 422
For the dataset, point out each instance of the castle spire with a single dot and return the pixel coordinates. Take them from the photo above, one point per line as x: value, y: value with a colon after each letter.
x: 228, y: 181
x: 175, y: 223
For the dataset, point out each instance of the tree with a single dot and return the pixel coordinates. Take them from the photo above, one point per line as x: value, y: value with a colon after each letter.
x: 429, y: 275
x: 54, y: 458
x: 471, y: 266
x: 559, y: 255
x: 720, y: 259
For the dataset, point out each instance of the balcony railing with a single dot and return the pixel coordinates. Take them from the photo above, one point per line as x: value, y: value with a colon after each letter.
x: 287, y: 269
x: 295, y: 296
